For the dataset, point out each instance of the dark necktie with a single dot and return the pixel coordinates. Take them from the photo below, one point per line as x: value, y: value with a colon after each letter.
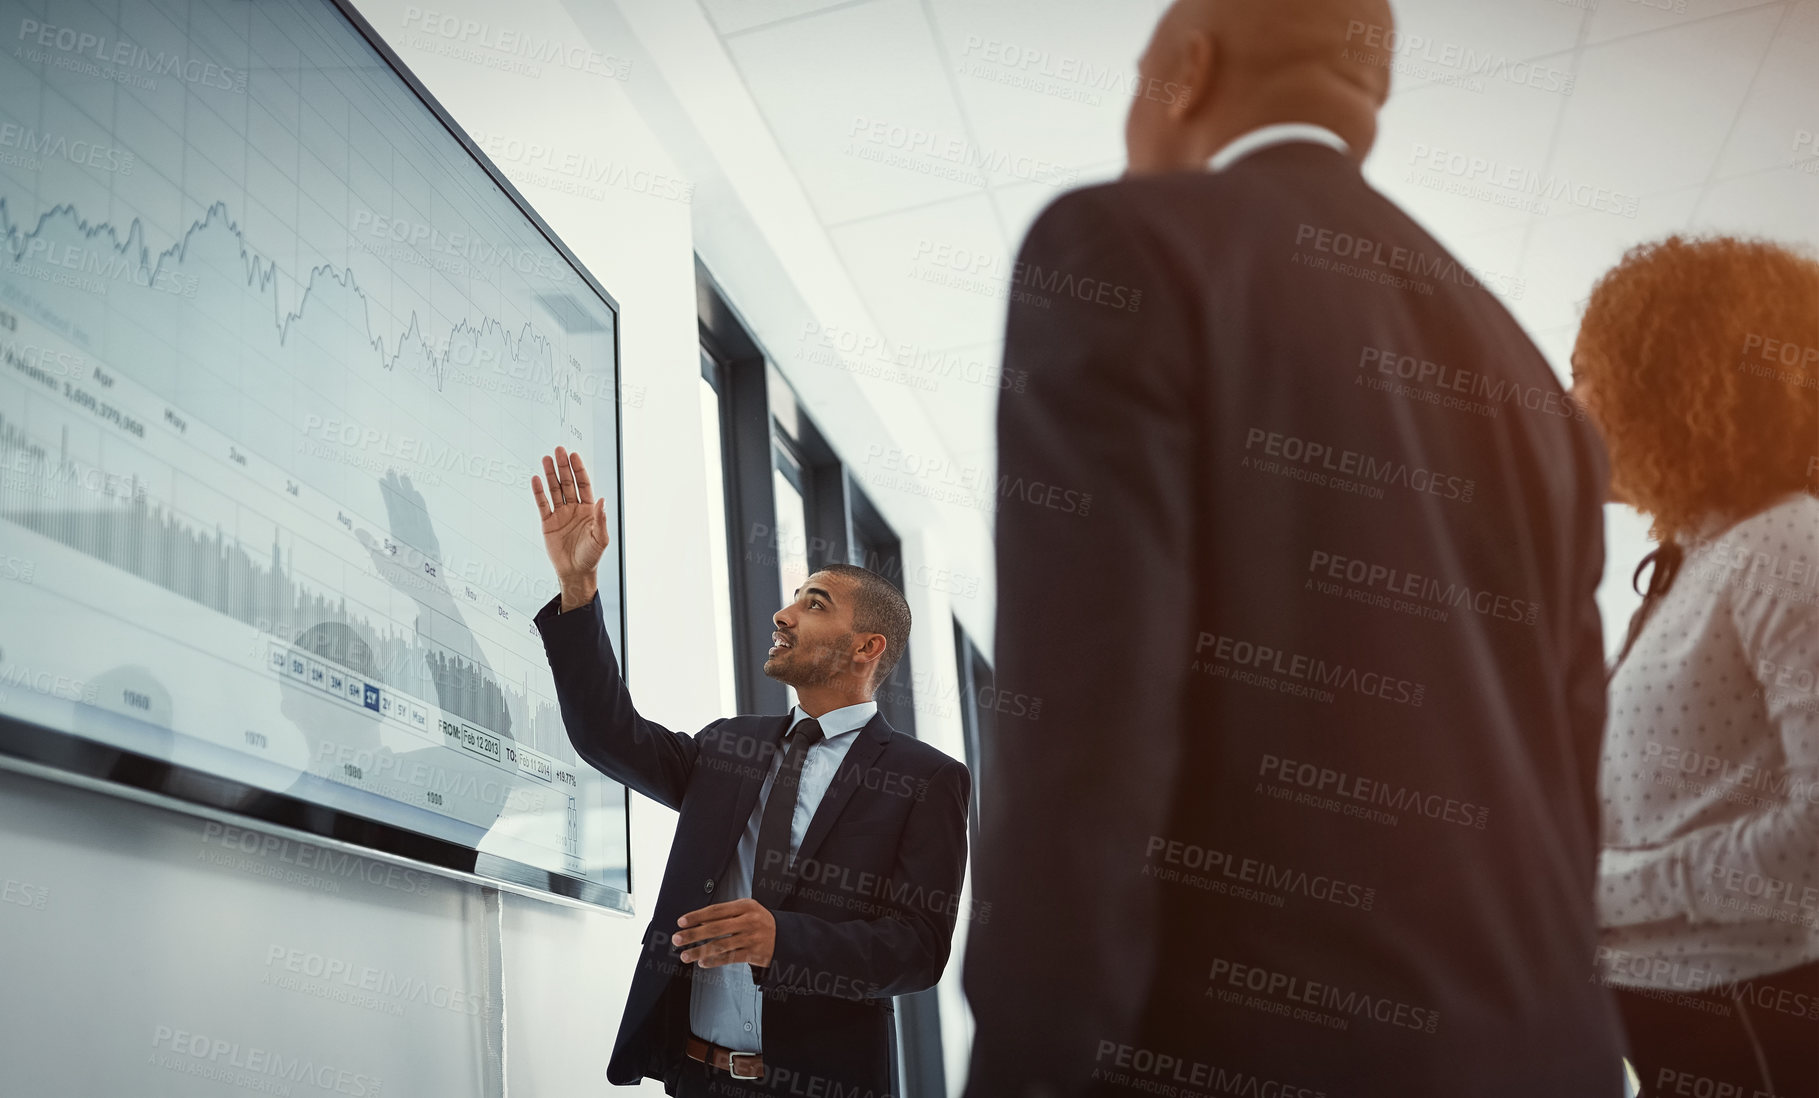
x: 771, y: 868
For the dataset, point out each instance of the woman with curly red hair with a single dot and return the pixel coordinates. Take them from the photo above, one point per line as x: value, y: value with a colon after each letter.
x: 1699, y: 362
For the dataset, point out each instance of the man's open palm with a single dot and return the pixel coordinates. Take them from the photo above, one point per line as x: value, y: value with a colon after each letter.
x: 574, y: 522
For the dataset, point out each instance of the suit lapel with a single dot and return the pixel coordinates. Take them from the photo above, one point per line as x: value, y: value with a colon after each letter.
x: 859, y: 758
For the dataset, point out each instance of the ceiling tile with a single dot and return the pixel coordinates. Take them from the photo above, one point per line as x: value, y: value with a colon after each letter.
x: 1472, y: 161
x: 1779, y: 125
x: 736, y: 16
x: 1019, y: 204
x: 1050, y: 80
x: 934, y: 276
x: 1626, y: 18
x: 964, y: 407
x: 1475, y: 45
x: 1657, y: 110
x: 1779, y: 203
x: 1566, y: 255
x: 861, y: 107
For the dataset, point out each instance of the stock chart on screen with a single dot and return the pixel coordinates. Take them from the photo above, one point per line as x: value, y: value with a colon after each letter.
x: 278, y: 355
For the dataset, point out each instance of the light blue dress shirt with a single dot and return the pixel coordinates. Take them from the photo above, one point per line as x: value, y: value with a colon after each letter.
x: 724, y: 1005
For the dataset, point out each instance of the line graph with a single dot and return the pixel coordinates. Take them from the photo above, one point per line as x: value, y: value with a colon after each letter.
x: 130, y: 256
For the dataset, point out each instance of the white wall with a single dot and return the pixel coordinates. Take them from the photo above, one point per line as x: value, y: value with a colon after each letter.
x: 152, y: 931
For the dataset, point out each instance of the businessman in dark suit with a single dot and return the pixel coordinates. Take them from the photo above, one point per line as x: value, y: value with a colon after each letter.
x: 1309, y: 807
x: 818, y: 860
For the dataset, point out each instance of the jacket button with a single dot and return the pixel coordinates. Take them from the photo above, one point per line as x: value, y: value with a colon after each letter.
x: 708, y: 886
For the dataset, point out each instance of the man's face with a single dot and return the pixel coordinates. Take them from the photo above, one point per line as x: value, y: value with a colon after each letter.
x: 814, y: 639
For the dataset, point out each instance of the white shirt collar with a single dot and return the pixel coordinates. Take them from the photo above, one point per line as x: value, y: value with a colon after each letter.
x: 1279, y: 134
x: 838, y: 722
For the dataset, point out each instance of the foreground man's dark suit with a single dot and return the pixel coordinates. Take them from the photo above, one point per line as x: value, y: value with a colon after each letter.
x: 871, y: 914
x: 1188, y: 887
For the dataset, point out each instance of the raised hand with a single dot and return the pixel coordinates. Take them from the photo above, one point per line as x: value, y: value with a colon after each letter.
x: 574, y: 526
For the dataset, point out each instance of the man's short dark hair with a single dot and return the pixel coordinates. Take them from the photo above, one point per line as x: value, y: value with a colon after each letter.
x: 878, y: 607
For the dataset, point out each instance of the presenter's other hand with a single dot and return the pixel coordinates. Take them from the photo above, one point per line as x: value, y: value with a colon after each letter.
x: 574, y: 525
x: 743, y: 932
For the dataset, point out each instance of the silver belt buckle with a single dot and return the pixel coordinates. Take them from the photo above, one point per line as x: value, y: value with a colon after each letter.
x: 732, y: 1064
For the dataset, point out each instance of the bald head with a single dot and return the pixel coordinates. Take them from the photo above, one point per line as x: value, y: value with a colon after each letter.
x: 1216, y: 69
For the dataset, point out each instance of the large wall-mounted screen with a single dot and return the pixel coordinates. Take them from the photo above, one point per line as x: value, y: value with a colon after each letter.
x: 279, y: 353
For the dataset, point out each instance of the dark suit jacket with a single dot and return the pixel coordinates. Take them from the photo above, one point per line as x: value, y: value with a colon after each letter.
x: 1309, y: 800
x: 871, y: 914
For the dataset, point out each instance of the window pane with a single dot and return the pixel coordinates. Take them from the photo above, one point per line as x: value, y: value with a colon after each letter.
x: 792, y: 543
x: 792, y: 538
x: 719, y: 575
